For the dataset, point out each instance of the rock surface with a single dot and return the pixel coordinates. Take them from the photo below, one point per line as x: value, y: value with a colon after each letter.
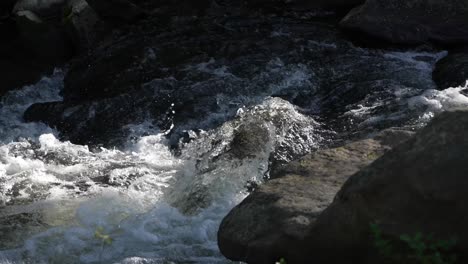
x: 46, y: 40
x: 452, y: 71
x: 6, y: 7
x: 324, y: 5
x: 41, y: 35
x: 418, y: 186
x: 411, y: 21
x: 83, y: 25
x: 117, y: 10
x: 281, y: 210
x: 47, y: 9
x: 187, y: 71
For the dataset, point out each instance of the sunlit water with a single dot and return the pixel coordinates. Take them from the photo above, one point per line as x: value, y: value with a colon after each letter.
x: 63, y: 203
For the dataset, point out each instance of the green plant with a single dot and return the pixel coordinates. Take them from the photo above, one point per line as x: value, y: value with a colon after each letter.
x: 281, y: 261
x: 383, y: 246
x: 427, y: 250
x: 67, y: 14
x: 99, y: 234
x: 105, y: 239
x: 418, y: 248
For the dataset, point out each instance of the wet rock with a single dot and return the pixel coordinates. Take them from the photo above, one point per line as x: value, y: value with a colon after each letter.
x: 117, y: 10
x: 418, y: 186
x: 47, y: 9
x: 40, y: 35
x: 411, y: 22
x: 314, y: 5
x: 111, y: 73
x: 452, y: 71
x: 6, y: 7
x: 56, y: 29
x: 17, y: 227
x: 194, y: 73
x: 280, y: 212
x: 21, y: 64
x: 47, y: 41
x: 83, y: 25
x: 36, y: 111
x: 250, y: 139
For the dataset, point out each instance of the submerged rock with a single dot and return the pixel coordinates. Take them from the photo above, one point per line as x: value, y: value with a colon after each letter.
x: 411, y: 21
x: 280, y: 212
x: 418, y: 186
x: 452, y: 71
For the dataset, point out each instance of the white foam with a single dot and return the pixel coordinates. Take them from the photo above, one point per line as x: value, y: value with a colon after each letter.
x: 14, y: 103
x: 155, y: 207
x: 437, y: 101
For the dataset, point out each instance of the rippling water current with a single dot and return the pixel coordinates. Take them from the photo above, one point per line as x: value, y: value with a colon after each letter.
x: 146, y: 203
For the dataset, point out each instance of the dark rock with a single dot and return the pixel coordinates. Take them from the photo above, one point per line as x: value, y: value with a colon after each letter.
x: 411, y: 21
x: 48, y: 41
x: 320, y: 5
x: 6, y: 7
x: 196, y: 72
x: 21, y: 64
x: 418, y: 186
x: 83, y: 25
x: 249, y: 139
x: 117, y: 10
x: 108, y: 73
x: 21, y: 69
x: 17, y: 227
x: 40, y: 35
x: 281, y: 211
x: 452, y: 71
x: 41, y: 29
x: 45, y: 9
x: 56, y: 29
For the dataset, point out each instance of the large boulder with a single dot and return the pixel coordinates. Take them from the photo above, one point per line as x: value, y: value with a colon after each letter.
x: 46, y: 9
x: 417, y: 187
x: 6, y: 6
x: 279, y: 212
x: 411, y: 21
x: 48, y: 41
x: 83, y: 25
x: 56, y: 29
x: 21, y: 63
x: 452, y: 71
x: 15, y: 60
x: 21, y: 69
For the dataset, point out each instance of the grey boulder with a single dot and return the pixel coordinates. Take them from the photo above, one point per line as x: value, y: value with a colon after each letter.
x: 266, y: 225
x: 411, y: 21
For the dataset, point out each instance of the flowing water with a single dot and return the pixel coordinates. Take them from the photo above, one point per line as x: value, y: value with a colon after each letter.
x: 147, y: 203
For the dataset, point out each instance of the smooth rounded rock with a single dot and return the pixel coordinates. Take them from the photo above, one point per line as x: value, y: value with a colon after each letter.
x: 452, y: 71
x: 411, y: 21
x: 264, y: 227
